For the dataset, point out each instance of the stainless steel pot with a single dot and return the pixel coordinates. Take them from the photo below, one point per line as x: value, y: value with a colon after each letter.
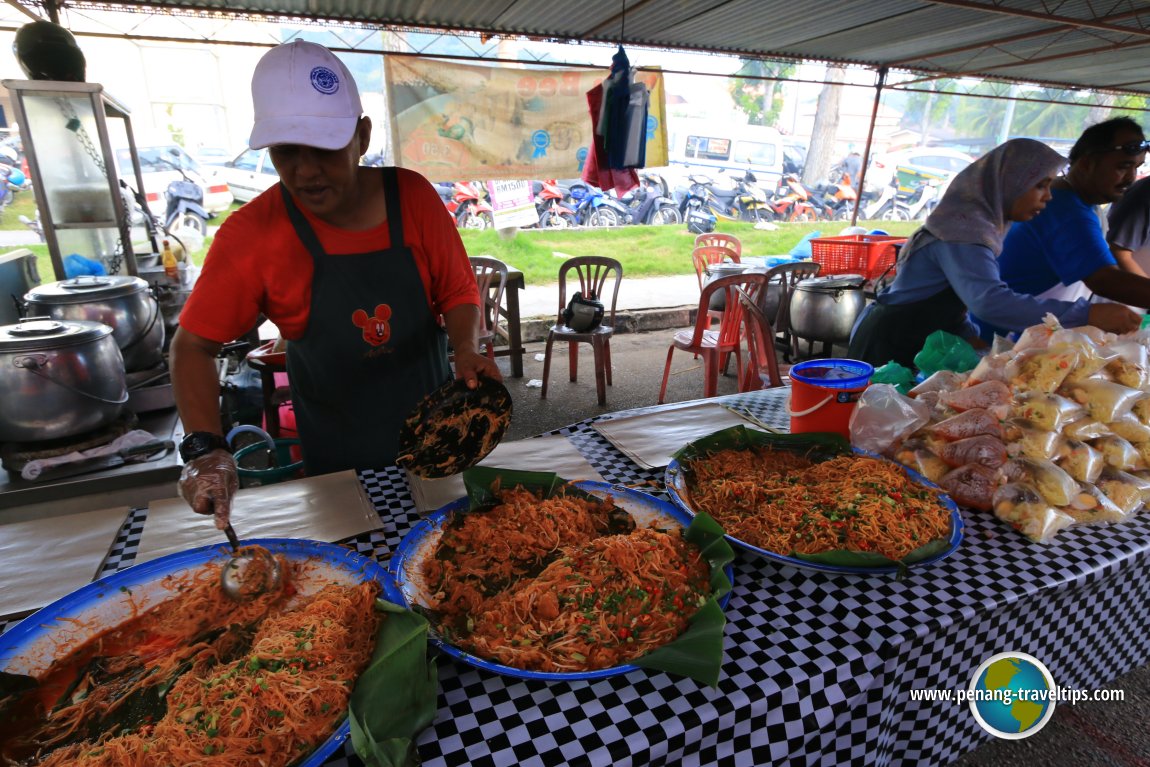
x: 125, y: 304
x: 825, y: 308
x: 59, y: 379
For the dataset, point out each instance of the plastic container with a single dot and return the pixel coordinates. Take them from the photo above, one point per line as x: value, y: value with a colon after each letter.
x: 255, y: 467
x: 870, y: 255
x: 824, y: 393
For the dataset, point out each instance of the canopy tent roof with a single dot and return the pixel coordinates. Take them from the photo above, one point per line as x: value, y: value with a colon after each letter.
x: 1068, y: 44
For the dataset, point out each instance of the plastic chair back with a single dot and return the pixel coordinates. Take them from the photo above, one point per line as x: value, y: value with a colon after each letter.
x: 491, y: 279
x: 719, y: 238
x: 708, y: 255
x: 761, y: 355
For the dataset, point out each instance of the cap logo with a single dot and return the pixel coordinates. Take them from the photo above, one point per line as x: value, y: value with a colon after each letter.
x: 324, y: 80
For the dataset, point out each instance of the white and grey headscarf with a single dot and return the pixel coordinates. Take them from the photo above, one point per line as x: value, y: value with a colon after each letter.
x: 978, y: 201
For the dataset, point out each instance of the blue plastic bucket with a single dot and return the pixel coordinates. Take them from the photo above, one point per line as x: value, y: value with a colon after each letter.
x: 824, y: 393
x: 256, y: 466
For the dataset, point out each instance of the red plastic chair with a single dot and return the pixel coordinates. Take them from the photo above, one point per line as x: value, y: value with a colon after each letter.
x: 491, y: 278
x: 594, y: 273
x: 762, y: 369
x: 719, y: 238
x: 708, y: 255
x: 714, y: 345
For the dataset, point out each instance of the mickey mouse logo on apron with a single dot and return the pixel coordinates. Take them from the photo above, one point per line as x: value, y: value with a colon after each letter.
x: 376, y: 329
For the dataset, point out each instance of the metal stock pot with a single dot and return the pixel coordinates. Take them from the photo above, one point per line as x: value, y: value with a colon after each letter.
x: 825, y: 308
x: 125, y: 304
x: 59, y: 379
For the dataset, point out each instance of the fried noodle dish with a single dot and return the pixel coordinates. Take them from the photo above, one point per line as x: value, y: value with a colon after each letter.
x: 562, y: 585
x: 200, y: 679
x: 782, y: 501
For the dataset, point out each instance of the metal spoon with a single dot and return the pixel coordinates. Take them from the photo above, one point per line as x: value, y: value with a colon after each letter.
x: 236, y: 581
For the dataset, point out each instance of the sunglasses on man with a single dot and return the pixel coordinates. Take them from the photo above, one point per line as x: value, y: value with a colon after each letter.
x: 1132, y: 147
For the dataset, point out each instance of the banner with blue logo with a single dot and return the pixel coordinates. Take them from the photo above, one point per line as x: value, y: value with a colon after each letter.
x: 453, y: 121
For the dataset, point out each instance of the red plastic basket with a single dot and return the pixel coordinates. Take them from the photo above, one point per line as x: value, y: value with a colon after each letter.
x: 867, y: 254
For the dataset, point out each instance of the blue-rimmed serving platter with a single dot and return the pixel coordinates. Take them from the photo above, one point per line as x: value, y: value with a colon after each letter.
x: 32, y: 645
x: 407, y: 587
x: 676, y: 482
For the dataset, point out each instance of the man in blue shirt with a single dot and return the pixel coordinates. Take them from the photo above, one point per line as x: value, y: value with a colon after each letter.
x: 1062, y: 253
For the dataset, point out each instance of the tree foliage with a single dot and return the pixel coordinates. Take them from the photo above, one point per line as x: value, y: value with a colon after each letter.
x: 761, y: 100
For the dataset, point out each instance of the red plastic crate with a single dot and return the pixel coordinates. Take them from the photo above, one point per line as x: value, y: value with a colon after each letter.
x: 867, y: 254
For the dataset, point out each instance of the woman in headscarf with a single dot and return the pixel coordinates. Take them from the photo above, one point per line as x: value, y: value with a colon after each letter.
x: 949, y: 266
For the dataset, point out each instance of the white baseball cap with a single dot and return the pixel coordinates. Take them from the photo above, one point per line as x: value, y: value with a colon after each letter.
x: 303, y: 94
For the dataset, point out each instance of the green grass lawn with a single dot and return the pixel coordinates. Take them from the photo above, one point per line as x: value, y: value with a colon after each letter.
x: 645, y: 251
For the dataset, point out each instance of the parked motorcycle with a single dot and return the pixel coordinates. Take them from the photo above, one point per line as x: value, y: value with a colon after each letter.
x: 835, y: 199
x: 745, y: 202
x: 594, y: 207
x: 184, y: 216
x: 470, y: 207
x: 550, y: 204
x: 650, y: 203
x: 791, y: 200
x: 885, y: 206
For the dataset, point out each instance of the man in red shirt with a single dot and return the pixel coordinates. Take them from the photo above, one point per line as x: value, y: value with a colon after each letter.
x: 354, y: 265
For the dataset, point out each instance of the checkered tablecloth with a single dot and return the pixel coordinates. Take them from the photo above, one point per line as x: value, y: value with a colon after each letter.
x: 818, y: 667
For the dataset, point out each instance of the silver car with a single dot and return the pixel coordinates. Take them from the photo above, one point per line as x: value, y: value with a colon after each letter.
x: 249, y: 174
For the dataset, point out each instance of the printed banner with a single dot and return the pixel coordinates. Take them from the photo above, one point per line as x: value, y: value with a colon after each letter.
x: 512, y: 203
x: 454, y: 121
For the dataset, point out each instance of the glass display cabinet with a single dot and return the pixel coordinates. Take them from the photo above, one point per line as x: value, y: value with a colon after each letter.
x: 68, y: 130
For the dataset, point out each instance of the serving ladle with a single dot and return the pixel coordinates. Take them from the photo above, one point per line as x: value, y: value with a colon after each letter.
x: 242, y: 578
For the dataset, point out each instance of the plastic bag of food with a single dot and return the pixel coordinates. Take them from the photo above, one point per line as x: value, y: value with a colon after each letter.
x: 945, y: 351
x: 1091, y: 507
x: 1024, y: 509
x: 1042, y: 369
x: 1024, y: 439
x: 943, y: 380
x: 1130, y: 365
x: 994, y: 396
x: 1143, y: 478
x: 969, y: 423
x: 1085, y: 428
x: 988, y: 451
x: 1141, y: 410
x: 1143, y: 449
x: 1105, y: 400
x: 1092, y: 358
x: 1046, y: 411
x: 971, y: 485
x: 1124, y: 490
x: 992, y: 367
x: 924, y: 462
x: 1118, y: 453
x: 1037, y: 336
x: 1055, y: 485
x: 930, y: 399
x: 1129, y: 428
x: 1080, y: 461
x: 883, y: 417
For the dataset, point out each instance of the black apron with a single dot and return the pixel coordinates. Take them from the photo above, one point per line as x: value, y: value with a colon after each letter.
x: 897, y: 332
x: 371, y: 350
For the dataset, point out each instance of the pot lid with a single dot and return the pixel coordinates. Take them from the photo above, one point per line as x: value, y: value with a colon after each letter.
x: 82, y: 290
x: 832, y: 282
x: 38, y: 333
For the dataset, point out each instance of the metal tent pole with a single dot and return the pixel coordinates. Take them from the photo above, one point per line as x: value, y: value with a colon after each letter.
x: 882, y: 73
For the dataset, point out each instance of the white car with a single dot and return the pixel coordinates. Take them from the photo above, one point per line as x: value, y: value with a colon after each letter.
x: 161, y: 165
x: 913, y: 166
x: 249, y: 174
